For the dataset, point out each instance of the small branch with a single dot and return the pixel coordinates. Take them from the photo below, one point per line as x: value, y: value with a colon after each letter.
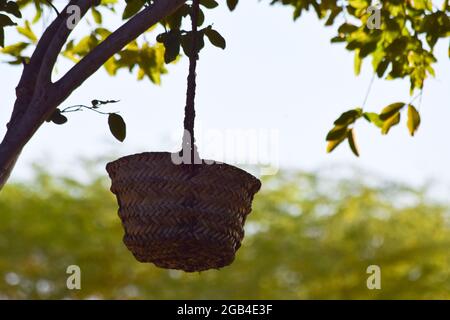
x: 58, y: 40
x: 27, y: 84
x: 420, y: 99
x: 419, y: 95
x: 37, y: 97
x: 344, y: 10
x: 114, y: 43
x: 53, y: 6
x: 80, y: 107
x: 368, y: 91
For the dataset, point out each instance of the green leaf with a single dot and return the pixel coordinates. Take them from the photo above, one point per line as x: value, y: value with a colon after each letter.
x: 210, y: 4
x: 334, y: 13
x: 57, y: 117
x: 374, y: 118
x: 367, y: 48
x: 27, y: 32
x: 357, y: 63
x: 398, y: 46
x: 337, y: 133
x: 85, y: 45
x: 38, y: 14
x: 161, y: 37
x: 6, y: 21
x: 117, y: 126
x: 133, y: 7
x: 12, y: 8
x: 389, y: 123
x: 337, y: 39
x: 15, y: 49
x: 215, y: 38
x: 186, y: 42
x: 352, y: 142
x: 172, y: 46
x: 347, y: 28
x: 111, y: 66
x: 391, y: 110
x: 173, y: 22
x: 201, y: 18
x: 96, y: 15
x: 348, y: 117
x: 413, y: 119
x: 334, y: 143
x: 358, y: 4
x: 232, y: 4
x: 102, y: 32
x: 381, y: 68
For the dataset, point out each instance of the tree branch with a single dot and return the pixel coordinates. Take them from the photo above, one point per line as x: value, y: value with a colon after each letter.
x: 59, y: 38
x: 37, y: 97
x: 50, y: 3
x: 25, y: 88
x: 114, y: 43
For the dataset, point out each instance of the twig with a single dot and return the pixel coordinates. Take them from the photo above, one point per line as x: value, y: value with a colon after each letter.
x: 53, y: 6
x: 368, y: 91
x: 419, y: 95
x: 344, y: 10
x: 420, y: 99
x: 80, y: 107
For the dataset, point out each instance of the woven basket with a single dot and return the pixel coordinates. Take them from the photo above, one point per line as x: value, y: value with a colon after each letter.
x: 177, y: 218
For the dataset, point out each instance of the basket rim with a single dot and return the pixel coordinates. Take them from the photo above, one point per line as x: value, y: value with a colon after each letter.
x: 112, y: 166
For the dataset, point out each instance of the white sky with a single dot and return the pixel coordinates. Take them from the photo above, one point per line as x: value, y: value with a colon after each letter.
x: 274, y: 74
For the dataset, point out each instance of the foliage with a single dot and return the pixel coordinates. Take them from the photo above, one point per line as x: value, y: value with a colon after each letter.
x: 8, y: 7
x: 148, y: 58
x: 116, y: 124
x: 308, y: 237
x: 400, y: 46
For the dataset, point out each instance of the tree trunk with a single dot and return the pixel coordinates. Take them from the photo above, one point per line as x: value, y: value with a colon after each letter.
x: 20, y: 130
x: 37, y: 97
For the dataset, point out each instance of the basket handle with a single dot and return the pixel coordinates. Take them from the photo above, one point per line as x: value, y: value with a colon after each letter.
x: 189, y: 111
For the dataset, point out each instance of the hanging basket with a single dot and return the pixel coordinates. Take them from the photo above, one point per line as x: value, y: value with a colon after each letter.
x: 186, y: 215
x: 177, y: 218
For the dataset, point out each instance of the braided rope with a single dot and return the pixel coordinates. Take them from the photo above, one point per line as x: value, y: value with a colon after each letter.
x: 189, y: 111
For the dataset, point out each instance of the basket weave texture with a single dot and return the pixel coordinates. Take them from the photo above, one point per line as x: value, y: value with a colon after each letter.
x: 178, y: 218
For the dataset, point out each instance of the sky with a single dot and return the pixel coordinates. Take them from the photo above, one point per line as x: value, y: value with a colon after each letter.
x: 279, y: 79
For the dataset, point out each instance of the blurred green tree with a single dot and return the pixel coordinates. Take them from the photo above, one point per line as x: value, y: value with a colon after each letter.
x: 399, y: 36
x: 309, y: 237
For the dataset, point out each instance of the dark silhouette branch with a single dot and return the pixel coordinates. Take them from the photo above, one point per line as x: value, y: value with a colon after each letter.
x: 59, y: 39
x: 115, y: 42
x: 50, y: 3
x: 25, y: 88
x: 38, y: 97
x: 80, y: 107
